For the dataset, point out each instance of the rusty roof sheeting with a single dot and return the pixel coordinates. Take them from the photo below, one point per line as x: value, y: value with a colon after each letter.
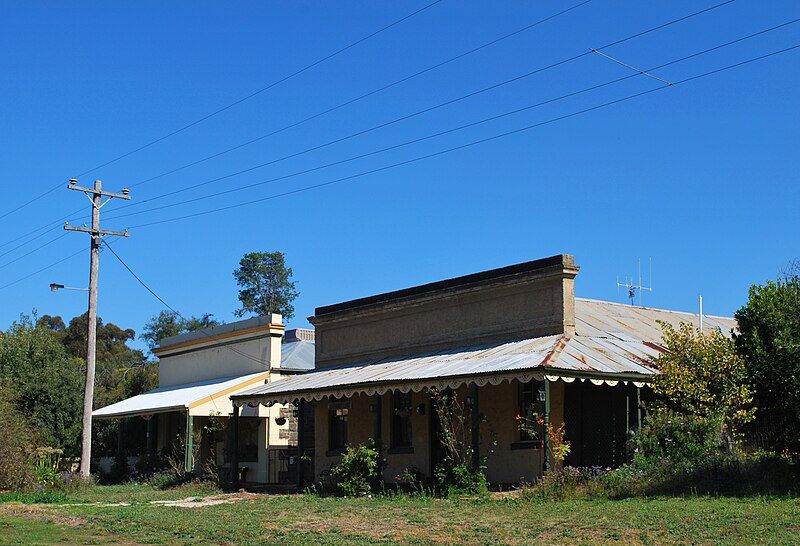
x: 612, y: 340
x: 595, y: 318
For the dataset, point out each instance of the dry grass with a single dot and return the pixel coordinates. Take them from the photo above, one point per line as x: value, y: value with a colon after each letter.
x: 298, y: 519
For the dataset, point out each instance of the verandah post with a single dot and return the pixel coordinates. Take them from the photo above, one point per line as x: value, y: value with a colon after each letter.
x: 301, y: 406
x: 548, y: 462
x: 235, y: 447
x: 377, y: 432
x: 474, y: 417
x: 151, y: 437
x: 188, y: 462
x: 638, y: 409
x: 120, y: 435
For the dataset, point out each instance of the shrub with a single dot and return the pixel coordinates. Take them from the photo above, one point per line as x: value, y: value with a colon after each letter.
x: 411, y: 480
x: 459, y: 480
x: 16, y: 446
x: 682, y: 440
x: 769, y: 342
x: 46, y: 465
x: 569, y: 483
x: 358, y: 470
x: 703, y: 375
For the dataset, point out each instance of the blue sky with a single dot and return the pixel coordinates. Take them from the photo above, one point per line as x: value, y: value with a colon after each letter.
x: 701, y: 177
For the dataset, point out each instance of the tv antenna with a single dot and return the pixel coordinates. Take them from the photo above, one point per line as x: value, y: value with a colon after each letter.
x: 638, y: 288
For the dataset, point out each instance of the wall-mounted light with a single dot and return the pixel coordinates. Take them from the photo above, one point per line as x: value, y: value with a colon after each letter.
x: 421, y: 409
x: 280, y: 420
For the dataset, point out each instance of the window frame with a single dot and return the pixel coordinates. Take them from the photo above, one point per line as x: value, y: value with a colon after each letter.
x: 338, y: 417
x: 526, y: 408
x: 401, y: 425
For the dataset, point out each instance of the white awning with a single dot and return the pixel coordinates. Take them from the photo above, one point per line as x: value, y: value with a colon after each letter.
x: 180, y: 397
x: 600, y: 360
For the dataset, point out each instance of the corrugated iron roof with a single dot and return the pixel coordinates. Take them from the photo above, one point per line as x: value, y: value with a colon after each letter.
x: 175, y: 398
x: 298, y: 355
x: 595, y: 318
x: 613, y: 342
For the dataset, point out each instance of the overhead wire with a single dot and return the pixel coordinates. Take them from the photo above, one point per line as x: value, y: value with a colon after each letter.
x: 265, y: 88
x: 37, y: 249
x: 168, y: 306
x: 470, y: 94
x: 443, y: 132
x: 45, y: 268
x: 363, y: 96
x: 467, y: 145
x: 442, y: 152
x: 26, y: 243
x: 418, y: 112
x: 230, y: 105
x: 429, y: 109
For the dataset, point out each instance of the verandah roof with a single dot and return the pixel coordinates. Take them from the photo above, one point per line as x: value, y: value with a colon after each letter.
x: 180, y: 397
x: 600, y: 360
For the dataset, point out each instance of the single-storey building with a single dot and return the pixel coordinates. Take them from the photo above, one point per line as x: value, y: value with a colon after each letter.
x: 188, y: 415
x: 509, y: 342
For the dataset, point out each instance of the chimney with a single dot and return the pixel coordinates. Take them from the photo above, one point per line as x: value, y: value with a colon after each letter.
x: 275, y: 329
x: 298, y: 334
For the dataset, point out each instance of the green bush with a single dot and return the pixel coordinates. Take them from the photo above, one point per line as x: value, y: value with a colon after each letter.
x: 459, y: 480
x: 682, y: 440
x: 17, y: 441
x: 357, y: 473
x: 46, y: 467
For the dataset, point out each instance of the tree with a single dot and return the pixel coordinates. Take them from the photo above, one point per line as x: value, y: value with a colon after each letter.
x: 17, y: 443
x: 266, y: 285
x: 169, y: 323
x: 46, y: 382
x: 769, y: 341
x: 703, y: 375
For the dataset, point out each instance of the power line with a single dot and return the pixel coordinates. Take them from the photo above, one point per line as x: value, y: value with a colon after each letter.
x: 168, y: 306
x: 23, y: 205
x: 426, y: 110
x: 442, y: 152
x: 470, y: 144
x: 18, y: 258
x: 48, y: 226
x: 45, y: 268
x: 419, y: 112
x: 230, y: 105
x: 25, y: 243
x: 263, y: 89
x: 362, y: 96
x: 440, y: 133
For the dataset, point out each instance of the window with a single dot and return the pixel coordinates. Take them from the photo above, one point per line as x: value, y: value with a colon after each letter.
x: 248, y: 438
x: 530, y: 407
x: 337, y: 427
x: 401, y: 419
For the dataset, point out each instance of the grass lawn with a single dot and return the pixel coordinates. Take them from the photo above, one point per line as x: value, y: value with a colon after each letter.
x: 299, y: 519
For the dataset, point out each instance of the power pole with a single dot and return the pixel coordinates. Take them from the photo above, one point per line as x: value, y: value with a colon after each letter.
x: 95, y: 196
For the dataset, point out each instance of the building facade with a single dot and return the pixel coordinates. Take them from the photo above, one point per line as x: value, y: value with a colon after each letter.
x: 502, y: 345
x: 188, y: 415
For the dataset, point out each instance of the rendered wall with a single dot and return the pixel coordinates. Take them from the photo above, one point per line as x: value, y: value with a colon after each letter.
x: 498, y: 434
x: 523, y: 303
x: 214, y: 362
